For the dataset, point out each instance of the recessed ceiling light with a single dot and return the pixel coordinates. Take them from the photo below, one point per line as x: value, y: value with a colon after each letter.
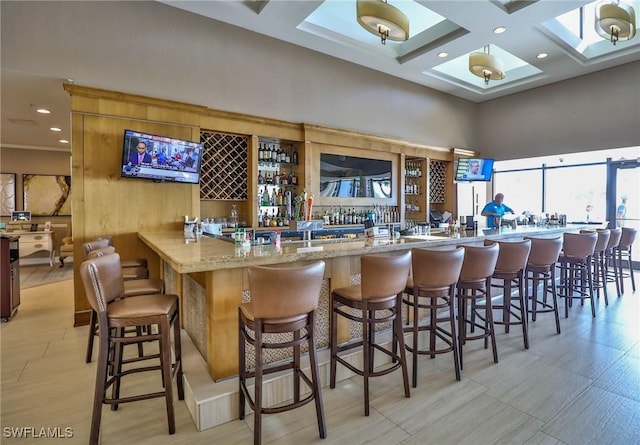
x: 55, y: 129
x: 69, y: 80
x: 542, y: 55
x: 443, y: 54
x: 63, y: 141
x: 43, y: 111
x: 499, y: 30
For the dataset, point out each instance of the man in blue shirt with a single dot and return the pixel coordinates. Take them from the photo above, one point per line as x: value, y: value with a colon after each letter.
x: 495, y: 209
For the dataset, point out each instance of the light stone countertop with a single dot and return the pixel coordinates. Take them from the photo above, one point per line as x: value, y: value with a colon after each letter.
x: 206, y: 254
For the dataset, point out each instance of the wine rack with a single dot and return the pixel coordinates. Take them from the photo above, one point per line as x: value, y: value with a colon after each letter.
x: 437, y: 181
x: 224, y: 172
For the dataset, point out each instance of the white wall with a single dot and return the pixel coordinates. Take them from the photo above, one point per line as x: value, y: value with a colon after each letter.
x: 152, y: 49
x: 596, y: 111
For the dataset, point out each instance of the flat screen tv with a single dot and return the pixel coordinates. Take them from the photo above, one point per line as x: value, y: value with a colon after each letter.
x: 353, y: 177
x: 160, y: 158
x: 474, y: 169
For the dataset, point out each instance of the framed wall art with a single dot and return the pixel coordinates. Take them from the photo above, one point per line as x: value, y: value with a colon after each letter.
x: 7, y: 193
x: 47, y: 195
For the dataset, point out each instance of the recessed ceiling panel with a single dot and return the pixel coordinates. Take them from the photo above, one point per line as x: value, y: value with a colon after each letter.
x: 457, y: 70
x: 336, y: 20
x: 575, y: 32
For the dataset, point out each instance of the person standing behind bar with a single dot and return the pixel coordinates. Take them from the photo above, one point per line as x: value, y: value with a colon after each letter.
x: 494, y: 210
x: 621, y: 212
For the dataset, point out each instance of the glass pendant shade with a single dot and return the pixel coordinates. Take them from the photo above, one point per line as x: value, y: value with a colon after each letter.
x: 381, y: 19
x: 486, y: 65
x: 615, y: 21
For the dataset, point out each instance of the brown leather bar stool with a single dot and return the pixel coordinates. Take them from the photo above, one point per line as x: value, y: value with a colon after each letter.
x: 623, y: 253
x: 126, y: 262
x: 474, y: 284
x: 104, y: 286
x: 130, y: 270
x: 509, y: 271
x: 610, y: 258
x: 599, y: 272
x: 541, y: 267
x: 574, y: 262
x: 283, y: 300
x: 132, y: 288
x: 379, y: 299
x: 433, y: 287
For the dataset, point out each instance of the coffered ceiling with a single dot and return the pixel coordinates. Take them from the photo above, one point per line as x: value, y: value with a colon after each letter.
x: 456, y: 28
x: 34, y: 68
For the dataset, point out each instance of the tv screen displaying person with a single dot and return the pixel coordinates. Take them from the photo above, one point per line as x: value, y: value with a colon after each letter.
x: 140, y: 156
x: 475, y: 170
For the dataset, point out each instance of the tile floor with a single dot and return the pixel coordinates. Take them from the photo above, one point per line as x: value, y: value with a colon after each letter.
x: 579, y: 387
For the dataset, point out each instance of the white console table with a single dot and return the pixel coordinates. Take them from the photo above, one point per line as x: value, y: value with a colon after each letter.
x: 32, y: 242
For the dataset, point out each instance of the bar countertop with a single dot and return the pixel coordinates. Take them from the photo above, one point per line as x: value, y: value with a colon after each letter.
x: 206, y: 253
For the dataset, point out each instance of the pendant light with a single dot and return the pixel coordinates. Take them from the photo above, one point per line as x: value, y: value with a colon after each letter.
x: 486, y: 65
x: 381, y: 19
x: 615, y: 21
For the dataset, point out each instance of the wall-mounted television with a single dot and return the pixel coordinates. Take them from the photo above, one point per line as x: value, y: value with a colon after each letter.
x: 353, y: 177
x: 160, y: 158
x: 474, y: 169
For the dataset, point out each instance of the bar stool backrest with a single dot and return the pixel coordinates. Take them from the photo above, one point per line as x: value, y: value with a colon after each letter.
x: 479, y: 262
x: 282, y: 292
x: 436, y: 268
x: 102, y: 279
x: 628, y: 237
x: 579, y: 245
x: 512, y: 256
x: 544, y: 251
x: 93, y: 245
x: 384, y: 276
x: 614, y: 237
x: 101, y: 252
x: 603, y: 239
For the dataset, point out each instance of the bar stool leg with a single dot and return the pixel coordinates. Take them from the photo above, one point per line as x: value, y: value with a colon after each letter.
x: 366, y: 351
x: 257, y: 412
x: 334, y: 344
x: 99, y: 393
x: 454, y: 335
x: 315, y: 378
x: 399, y: 337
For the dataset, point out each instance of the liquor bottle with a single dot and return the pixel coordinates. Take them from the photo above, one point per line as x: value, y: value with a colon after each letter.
x: 287, y: 157
x: 294, y: 179
x: 295, y: 157
x: 265, y: 197
x: 260, y: 178
x: 280, y: 197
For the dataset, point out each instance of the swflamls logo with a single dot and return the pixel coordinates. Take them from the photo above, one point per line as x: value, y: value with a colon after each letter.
x: 36, y: 432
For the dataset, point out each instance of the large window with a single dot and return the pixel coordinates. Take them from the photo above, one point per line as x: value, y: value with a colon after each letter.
x: 577, y: 191
x: 522, y: 190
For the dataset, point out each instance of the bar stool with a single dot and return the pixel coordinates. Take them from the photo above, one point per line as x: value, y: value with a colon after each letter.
x: 103, y: 283
x: 623, y: 253
x: 283, y: 301
x: 598, y: 262
x: 379, y: 299
x: 130, y: 270
x: 610, y: 258
x: 575, y: 269
x: 509, y: 271
x: 474, y: 284
x: 541, y: 267
x: 433, y: 288
x: 126, y: 262
x: 132, y: 288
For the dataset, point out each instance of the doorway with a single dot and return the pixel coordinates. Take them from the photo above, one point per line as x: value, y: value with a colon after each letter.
x: 623, y: 199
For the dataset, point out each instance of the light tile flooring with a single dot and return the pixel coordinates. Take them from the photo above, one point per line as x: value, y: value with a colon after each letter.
x: 580, y: 387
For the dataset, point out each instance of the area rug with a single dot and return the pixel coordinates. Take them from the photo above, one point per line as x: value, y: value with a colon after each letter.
x: 38, y: 274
